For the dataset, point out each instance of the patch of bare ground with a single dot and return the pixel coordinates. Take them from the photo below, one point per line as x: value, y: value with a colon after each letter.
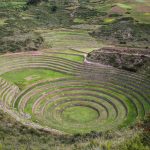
x: 117, y: 10
x: 143, y: 9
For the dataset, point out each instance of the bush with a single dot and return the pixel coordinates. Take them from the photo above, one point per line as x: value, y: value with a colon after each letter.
x: 31, y: 2
x: 134, y: 144
x: 54, y: 8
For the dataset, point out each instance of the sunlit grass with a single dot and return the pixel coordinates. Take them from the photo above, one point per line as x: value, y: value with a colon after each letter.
x: 126, y: 6
x: 25, y: 77
x: 109, y: 20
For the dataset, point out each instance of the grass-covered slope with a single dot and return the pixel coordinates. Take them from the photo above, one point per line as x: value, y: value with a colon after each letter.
x: 25, y: 77
x: 125, y: 32
x: 126, y: 23
x: 120, y: 22
x: 16, y: 136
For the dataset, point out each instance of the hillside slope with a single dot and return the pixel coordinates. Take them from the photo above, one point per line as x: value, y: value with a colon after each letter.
x: 16, y: 136
x: 124, y: 23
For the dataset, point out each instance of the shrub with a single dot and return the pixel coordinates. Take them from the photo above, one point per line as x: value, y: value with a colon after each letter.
x: 134, y: 144
x: 31, y: 2
x: 54, y: 8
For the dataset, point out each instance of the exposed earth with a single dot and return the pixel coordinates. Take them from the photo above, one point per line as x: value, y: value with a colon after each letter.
x: 131, y: 59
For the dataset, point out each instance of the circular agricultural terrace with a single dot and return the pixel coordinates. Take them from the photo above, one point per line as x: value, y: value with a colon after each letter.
x: 86, y: 98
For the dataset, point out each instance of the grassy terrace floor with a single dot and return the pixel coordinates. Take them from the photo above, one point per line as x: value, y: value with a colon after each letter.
x: 80, y: 114
x: 65, y: 39
x: 25, y: 77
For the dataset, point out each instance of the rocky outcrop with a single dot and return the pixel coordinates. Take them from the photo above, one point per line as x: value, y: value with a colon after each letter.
x: 130, y: 59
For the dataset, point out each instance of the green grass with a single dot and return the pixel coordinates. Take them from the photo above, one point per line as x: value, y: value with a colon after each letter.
x: 67, y: 38
x: 126, y: 6
x: 11, y: 4
x: 141, y: 1
x: 80, y: 114
x: 2, y: 22
x: 76, y: 115
x: 109, y: 20
x: 15, y: 135
x: 142, y: 17
x: 25, y: 77
x: 78, y: 20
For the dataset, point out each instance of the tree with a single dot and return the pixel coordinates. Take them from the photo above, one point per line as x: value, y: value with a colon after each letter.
x: 31, y: 2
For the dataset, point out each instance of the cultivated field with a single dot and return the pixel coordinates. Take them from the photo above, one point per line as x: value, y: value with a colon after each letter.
x: 52, y: 96
x: 52, y: 92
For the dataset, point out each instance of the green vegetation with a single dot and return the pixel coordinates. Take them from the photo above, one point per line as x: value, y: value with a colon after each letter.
x: 26, y: 77
x: 109, y: 20
x: 59, y: 83
x: 63, y: 39
x: 134, y: 144
x: 12, y: 5
x: 2, y: 22
x: 127, y: 6
x: 18, y: 27
x: 52, y: 99
x: 129, y: 33
x: 80, y: 114
x: 78, y: 20
x: 16, y: 136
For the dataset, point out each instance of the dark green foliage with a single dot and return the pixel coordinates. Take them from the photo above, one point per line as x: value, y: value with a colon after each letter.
x: 24, y: 41
x: 134, y: 144
x: 114, y: 15
x: 30, y: 2
x: 125, y: 31
x: 146, y: 133
x: 84, y: 12
x: 141, y: 141
x: 54, y: 8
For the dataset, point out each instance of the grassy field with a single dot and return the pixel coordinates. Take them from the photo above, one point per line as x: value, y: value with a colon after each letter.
x: 80, y: 114
x: 63, y: 39
x: 25, y: 77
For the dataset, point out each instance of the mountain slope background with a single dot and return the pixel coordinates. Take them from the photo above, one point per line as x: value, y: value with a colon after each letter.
x: 121, y: 22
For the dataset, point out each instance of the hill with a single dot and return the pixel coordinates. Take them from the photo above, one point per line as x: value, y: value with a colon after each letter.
x: 123, y: 23
x: 74, y: 75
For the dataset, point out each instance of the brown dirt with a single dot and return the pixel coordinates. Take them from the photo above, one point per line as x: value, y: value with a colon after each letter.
x: 143, y: 9
x: 118, y: 10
